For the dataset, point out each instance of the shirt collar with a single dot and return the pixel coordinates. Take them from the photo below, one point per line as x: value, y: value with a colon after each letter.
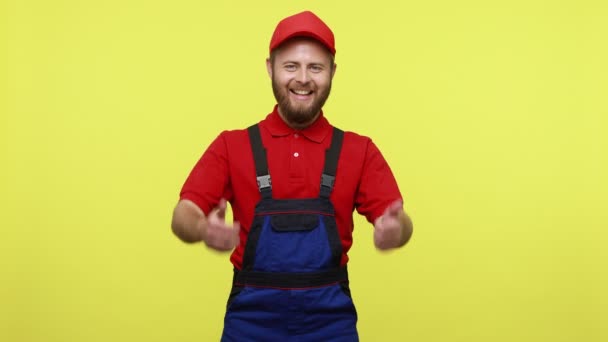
x: 315, y: 132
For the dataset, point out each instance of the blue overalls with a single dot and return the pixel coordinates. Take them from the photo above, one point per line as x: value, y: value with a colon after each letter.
x: 291, y: 286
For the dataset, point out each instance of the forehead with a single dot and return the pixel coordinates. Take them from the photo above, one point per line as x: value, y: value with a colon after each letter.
x: 302, y: 48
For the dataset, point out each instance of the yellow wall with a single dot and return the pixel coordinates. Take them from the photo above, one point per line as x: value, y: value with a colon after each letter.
x: 492, y: 114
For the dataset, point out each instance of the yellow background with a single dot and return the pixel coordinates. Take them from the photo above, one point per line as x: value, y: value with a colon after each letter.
x: 491, y: 113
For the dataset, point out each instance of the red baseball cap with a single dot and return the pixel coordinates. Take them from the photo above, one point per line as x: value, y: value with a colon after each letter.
x: 304, y: 24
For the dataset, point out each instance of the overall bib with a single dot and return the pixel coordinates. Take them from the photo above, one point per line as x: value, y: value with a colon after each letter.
x: 291, y: 286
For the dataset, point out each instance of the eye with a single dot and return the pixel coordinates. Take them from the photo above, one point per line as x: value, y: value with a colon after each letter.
x: 316, y: 68
x: 290, y: 67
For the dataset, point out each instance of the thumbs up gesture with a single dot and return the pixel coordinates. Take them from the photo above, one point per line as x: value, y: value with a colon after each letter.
x: 217, y: 234
x: 394, y: 228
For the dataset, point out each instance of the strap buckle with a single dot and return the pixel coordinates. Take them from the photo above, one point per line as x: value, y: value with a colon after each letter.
x: 327, y: 180
x: 264, y: 182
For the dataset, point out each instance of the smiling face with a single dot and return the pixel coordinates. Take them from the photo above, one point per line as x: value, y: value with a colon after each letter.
x: 301, y: 70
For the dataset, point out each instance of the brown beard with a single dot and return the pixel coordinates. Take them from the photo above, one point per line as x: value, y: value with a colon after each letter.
x: 298, y: 116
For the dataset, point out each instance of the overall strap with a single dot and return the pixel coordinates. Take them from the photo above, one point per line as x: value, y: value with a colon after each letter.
x: 331, y: 163
x: 261, y: 163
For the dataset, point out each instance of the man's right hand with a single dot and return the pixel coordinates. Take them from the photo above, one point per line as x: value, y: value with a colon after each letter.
x: 217, y: 234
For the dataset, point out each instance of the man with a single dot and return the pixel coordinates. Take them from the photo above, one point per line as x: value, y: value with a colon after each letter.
x: 293, y: 182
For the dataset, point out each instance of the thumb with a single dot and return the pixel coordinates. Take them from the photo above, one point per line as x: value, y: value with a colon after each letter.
x: 394, y: 208
x: 221, y: 208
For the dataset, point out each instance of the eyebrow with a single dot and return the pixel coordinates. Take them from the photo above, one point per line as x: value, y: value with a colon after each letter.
x: 298, y: 63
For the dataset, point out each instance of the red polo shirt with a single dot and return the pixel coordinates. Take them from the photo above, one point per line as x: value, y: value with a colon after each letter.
x: 363, y: 182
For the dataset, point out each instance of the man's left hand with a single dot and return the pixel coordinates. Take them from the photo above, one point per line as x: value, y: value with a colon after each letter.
x: 394, y: 228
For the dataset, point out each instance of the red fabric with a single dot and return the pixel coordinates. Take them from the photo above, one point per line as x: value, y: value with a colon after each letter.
x: 364, y: 180
x: 303, y: 24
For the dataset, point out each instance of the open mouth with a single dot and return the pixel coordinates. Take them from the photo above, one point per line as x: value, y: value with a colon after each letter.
x: 301, y: 92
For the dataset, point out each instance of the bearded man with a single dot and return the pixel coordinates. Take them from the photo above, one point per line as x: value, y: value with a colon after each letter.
x: 293, y: 182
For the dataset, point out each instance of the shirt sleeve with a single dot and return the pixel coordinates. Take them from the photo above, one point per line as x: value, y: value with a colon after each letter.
x: 209, y: 180
x: 378, y: 187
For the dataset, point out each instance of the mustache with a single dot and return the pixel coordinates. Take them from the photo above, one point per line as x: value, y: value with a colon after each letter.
x: 299, y: 115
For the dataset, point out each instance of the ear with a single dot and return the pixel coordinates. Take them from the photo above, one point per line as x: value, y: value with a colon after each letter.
x: 269, y: 67
x: 333, y: 71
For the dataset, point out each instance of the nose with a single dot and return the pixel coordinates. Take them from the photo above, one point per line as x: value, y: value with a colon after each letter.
x: 302, y: 75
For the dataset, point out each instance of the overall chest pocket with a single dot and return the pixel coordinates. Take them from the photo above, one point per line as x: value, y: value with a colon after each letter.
x: 294, y: 222
x: 293, y: 243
